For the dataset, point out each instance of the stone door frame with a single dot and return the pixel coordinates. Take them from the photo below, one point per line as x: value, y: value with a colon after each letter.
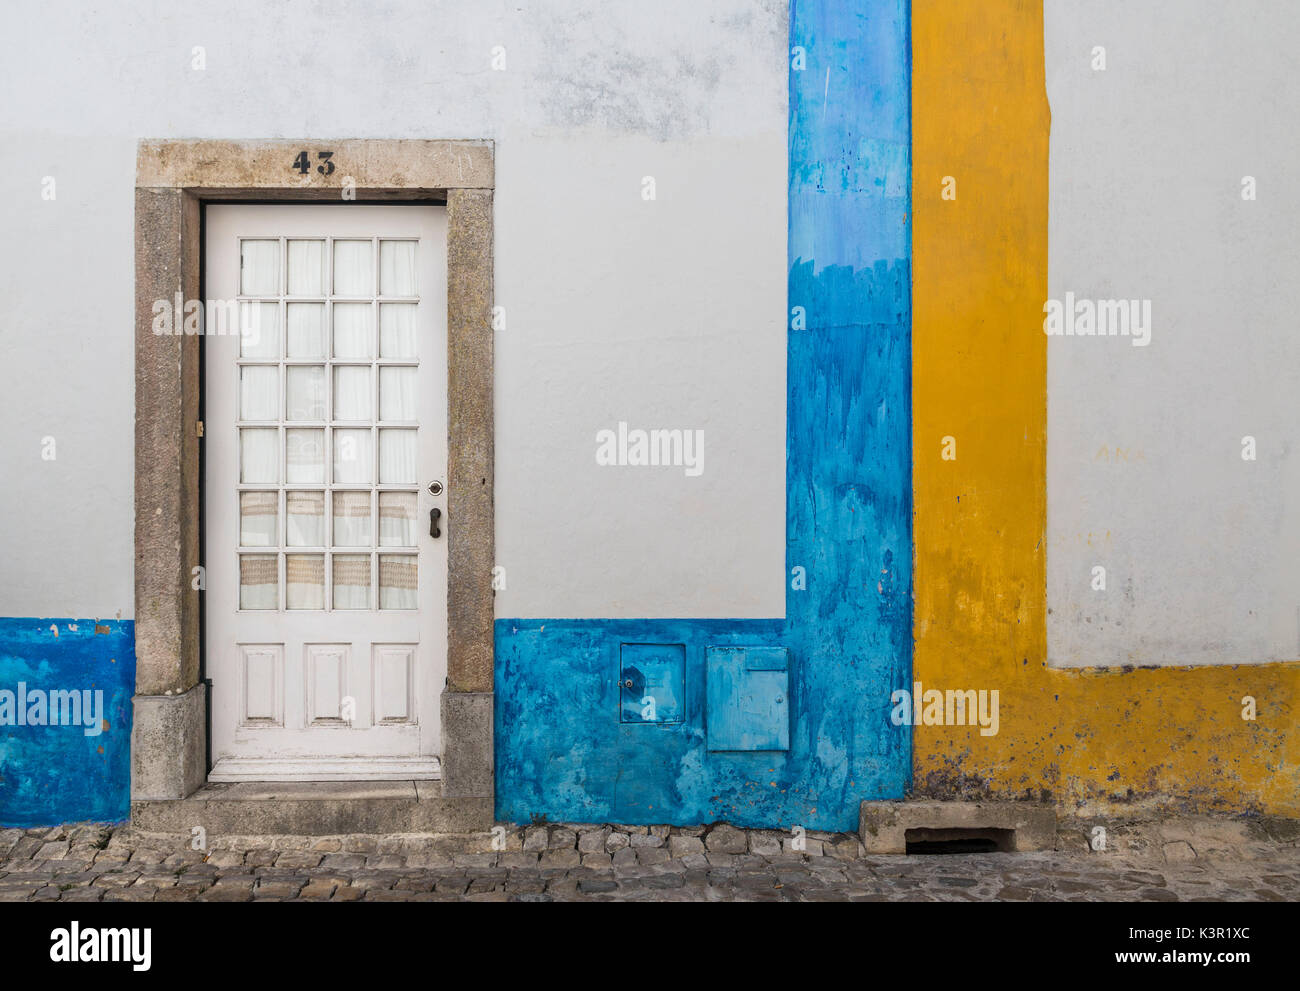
x: 174, y: 178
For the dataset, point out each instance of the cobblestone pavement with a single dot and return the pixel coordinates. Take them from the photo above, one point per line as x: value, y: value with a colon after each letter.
x: 94, y: 863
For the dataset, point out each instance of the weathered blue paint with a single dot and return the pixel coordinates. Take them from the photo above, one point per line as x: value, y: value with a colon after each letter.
x: 562, y: 751
x: 653, y: 682
x: 748, y: 692
x: 53, y: 774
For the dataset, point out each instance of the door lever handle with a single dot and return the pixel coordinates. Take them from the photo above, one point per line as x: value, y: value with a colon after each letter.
x: 434, y: 515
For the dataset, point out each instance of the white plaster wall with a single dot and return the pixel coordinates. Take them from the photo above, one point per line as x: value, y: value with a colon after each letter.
x: 1201, y: 548
x: 664, y: 314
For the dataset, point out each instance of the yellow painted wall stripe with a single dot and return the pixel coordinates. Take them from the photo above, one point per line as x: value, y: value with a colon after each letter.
x: 1089, y: 738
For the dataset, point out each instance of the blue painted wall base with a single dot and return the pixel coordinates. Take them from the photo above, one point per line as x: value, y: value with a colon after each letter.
x: 51, y: 774
x: 562, y: 751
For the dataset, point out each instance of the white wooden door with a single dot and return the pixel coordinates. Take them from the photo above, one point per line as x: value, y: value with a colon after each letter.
x: 326, y: 448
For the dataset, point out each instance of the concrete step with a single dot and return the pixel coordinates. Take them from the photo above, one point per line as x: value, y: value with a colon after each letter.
x: 317, y: 808
x: 887, y: 827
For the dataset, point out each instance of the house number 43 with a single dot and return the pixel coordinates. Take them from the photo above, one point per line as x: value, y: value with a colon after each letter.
x: 303, y: 163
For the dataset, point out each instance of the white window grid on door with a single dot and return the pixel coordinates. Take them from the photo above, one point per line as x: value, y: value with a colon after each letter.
x: 327, y: 425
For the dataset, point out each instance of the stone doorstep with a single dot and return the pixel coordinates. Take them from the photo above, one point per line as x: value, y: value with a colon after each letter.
x: 883, y: 826
x: 316, y: 808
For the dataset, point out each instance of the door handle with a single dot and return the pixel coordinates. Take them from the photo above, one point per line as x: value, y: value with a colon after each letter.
x: 434, y: 515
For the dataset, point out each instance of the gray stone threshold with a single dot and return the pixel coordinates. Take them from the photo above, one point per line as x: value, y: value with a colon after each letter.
x: 316, y: 808
x: 888, y: 827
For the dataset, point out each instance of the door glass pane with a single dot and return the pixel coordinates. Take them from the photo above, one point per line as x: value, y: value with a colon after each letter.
x: 397, y: 330
x: 259, y: 268
x: 305, y: 519
x: 259, y: 581
x: 305, y: 330
x: 304, y: 455
x: 397, y: 519
x: 304, y: 387
x: 397, y: 268
x: 259, y: 392
x: 397, y: 581
x: 397, y: 456
x: 259, y: 330
x: 352, y: 519
x: 351, y: 581
x: 306, y: 268
x: 352, y: 392
x: 259, y: 456
x: 353, y: 330
x: 397, y: 393
x: 258, y: 512
x: 354, y: 268
x: 304, y: 581
x: 353, y: 457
